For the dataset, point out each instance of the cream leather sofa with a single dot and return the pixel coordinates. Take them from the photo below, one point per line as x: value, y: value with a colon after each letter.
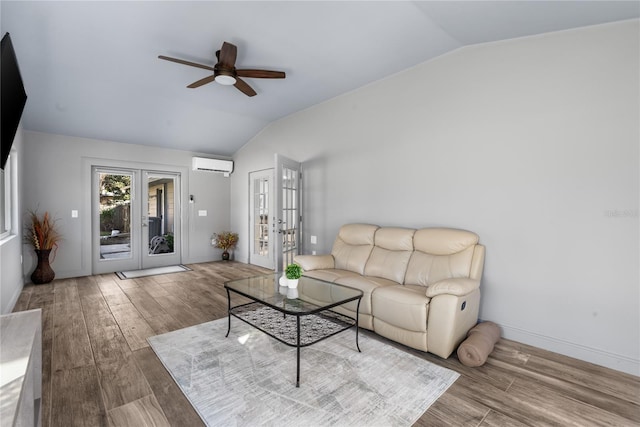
x: 421, y: 287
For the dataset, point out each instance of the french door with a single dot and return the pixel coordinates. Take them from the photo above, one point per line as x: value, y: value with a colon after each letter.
x: 274, y: 214
x: 287, y: 218
x: 135, y: 219
x: 261, y: 205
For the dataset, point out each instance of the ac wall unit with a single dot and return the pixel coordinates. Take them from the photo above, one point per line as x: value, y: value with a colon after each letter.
x: 212, y: 165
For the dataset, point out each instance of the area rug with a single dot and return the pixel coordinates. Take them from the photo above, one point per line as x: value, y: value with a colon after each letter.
x: 151, y: 271
x: 248, y: 379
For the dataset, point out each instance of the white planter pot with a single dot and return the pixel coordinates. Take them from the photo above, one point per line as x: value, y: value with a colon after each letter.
x: 283, y: 281
x: 292, y: 293
x: 292, y: 283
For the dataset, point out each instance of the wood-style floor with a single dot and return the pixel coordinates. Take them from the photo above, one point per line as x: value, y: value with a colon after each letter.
x: 98, y: 369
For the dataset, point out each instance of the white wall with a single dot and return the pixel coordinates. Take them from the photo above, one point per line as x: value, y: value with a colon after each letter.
x: 531, y: 143
x: 58, y: 179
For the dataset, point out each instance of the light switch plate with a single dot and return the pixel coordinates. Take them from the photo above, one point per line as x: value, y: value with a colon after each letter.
x: 202, y: 213
x: 314, y: 240
x: 74, y: 214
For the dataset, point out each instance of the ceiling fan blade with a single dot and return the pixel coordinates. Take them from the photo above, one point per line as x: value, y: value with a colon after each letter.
x: 201, y: 82
x: 182, y: 61
x: 244, y: 87
x: 261, y: 74
x: 228, y: 55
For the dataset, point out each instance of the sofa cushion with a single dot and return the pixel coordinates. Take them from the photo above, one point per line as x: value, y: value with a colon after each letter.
x: 441, y: 253
x: 394, y: 238
x: 443, y: 241
x: 353, y: 246
x: 406, y: 307
x: 391, y: 253
x: 367, y: 285
x: 330, y: 275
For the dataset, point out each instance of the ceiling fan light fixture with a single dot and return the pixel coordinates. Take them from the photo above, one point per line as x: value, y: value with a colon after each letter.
x: 226, y: 80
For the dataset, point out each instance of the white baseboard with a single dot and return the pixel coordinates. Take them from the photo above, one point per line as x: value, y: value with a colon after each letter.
x: 199, y: 260
x: 8, y: 308
x: 588, y: 354
x: 242, y: 259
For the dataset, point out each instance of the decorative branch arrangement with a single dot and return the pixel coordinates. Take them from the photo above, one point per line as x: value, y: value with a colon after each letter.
x: 42, y: 232
x: 225, y: 240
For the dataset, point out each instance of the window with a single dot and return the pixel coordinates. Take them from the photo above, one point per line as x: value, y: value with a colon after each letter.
x: 6, y: 198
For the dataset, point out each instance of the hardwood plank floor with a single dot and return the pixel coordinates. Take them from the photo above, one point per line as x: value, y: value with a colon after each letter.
x: 98, y: 369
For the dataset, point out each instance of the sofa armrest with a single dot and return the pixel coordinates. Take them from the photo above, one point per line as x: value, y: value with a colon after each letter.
x: 314, y: 262
x: 457, y: 287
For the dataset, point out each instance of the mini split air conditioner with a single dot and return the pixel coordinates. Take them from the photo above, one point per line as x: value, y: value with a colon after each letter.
x: 212, y: 165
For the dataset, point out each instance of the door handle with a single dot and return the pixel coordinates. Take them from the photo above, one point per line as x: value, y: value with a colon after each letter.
x: 279, y: 229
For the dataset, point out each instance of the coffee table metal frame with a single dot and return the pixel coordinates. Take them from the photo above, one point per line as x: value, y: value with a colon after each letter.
x: 268, y: 311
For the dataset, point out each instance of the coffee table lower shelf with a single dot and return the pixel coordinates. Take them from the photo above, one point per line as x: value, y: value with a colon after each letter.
x: 292, y: 329
x: 283, y: 327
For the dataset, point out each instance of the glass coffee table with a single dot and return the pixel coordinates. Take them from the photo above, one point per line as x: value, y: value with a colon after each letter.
x: 297, y: 317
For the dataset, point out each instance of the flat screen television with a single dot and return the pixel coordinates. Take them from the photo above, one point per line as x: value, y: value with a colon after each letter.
x: 12, y: 98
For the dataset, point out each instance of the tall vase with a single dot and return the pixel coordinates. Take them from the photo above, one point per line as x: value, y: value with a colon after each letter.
x: 43, y: 272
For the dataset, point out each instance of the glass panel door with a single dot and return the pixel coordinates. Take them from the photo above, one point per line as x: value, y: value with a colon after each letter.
x: 287, y: 216
x: 115, y: 234
x: 260, y: 207
x: 160, y: 224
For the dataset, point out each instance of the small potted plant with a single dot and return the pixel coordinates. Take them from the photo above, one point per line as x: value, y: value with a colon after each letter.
x: 293, y: 273
x: 225, y: 241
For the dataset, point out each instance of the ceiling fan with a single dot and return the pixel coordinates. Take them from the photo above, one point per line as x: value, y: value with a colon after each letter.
x: 225, y: 72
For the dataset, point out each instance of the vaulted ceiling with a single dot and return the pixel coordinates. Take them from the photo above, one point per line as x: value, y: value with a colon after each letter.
x: 91, y: 69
